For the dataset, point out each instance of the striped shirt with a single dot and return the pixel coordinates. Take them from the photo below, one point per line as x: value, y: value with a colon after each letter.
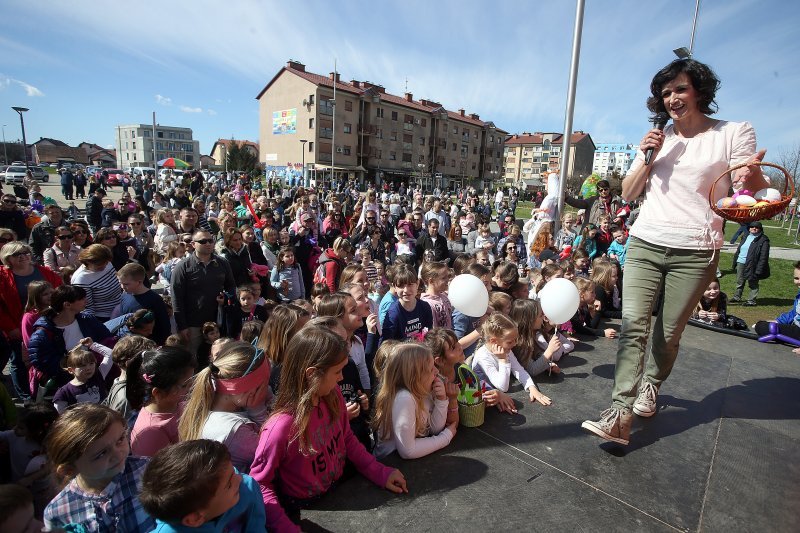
x: 103, y: 292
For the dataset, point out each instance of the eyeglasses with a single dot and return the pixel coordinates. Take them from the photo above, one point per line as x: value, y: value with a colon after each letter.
x: 370, y: 219
x: 602, y: 189
x: 64, y: 237
x: 202, y: 241
x: 9, y: 202
x: 21, y: 254
x: 135, y: 223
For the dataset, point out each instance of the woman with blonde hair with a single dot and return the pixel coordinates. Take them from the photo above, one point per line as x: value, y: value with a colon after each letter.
x: 411, y: 406
x: 228, y: 402
x: 98, y: 278
x: 282, y: 324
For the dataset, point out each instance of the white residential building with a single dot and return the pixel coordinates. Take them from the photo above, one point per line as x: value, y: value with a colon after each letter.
x: 609, y: 157
x: 134, y: 144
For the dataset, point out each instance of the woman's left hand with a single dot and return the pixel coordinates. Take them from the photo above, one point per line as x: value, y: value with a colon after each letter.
x: 750, y: 177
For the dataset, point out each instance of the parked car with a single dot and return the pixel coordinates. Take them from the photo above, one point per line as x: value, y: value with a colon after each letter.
x: 115, y: 176
x: 3, y: 172
x: 14, y: 174
x: 40, y: 174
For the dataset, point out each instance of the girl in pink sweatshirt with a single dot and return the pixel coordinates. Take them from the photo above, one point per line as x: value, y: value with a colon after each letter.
x: 304, y: 444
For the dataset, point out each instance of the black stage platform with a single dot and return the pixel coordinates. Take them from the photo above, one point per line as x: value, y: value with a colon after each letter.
x: 722, y: 454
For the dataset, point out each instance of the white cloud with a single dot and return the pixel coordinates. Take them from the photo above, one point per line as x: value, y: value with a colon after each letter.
x: 211, y: 112
x: 187, y: 109
x: 30, y: 90
x: 163, y: 100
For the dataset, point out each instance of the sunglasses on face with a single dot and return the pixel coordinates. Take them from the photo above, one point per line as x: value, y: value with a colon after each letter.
x: 602, y: 189
x: 135, y: 223
x: 21, y: 254
x: 64, y: 237
x: 10, y: 202
x: 4, y: 240
x: 203, y: 241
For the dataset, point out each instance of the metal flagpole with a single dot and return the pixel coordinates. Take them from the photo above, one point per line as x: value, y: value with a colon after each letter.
x: 333, y: 135
x: 155, y: 154
x: 573, y: 81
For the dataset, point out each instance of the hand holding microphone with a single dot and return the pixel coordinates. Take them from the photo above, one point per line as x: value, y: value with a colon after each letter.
x: 655, y: 137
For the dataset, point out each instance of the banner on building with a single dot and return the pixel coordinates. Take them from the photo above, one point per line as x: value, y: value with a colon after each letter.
x: 284, y: 122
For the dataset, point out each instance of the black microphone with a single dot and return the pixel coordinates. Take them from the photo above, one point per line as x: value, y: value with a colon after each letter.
x: 659, y: 121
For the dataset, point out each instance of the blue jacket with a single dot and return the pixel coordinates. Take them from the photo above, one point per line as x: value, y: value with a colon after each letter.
x: 46, y: 347
x: 792, y: 316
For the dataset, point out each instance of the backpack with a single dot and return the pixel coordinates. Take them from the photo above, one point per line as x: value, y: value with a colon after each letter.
x: 319, y: 274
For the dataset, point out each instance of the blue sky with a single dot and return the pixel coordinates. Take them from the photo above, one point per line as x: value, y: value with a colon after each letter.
x: 84, y: 66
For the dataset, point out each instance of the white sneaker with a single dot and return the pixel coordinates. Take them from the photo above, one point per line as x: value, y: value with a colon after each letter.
x: 645, y: 404
x: 614, y: 425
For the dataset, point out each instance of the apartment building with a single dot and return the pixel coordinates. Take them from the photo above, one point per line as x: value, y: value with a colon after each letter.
x: 528, y: 157
x: 613, y: 157
x: 134, y: 143
x: 371, y: 135
x: 220, y: 149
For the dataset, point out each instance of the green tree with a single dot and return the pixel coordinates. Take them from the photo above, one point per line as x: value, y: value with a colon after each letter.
x: 240, y: 158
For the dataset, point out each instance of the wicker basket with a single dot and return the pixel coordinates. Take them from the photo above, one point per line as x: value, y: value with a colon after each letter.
x: 471, y: 415
x: 750, y: 214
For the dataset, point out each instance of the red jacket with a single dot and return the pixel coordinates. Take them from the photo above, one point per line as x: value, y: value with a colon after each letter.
x: 11, y: 310
x: 333, y: 267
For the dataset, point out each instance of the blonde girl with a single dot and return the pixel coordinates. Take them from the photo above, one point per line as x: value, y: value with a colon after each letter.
x: 287, y: 278
x: 344, y: 306
x: 176, y: 250
x: 283, y: 323
x: 381, y: 359
x: 436, y: 277
x: 228, y: 402
x: 304, y: 444
x: 88, y: 445
x: 500, y: 302
x: 411, y: 407
x: 39, y: 293
x: 494, y: 362
x: 165, y: 230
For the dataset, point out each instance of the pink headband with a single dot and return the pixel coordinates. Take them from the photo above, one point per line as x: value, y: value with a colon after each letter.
x: 245, y: 383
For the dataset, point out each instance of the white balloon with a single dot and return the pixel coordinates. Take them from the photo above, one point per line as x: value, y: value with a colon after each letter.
x: 468, y: 295
x: 559, y: 299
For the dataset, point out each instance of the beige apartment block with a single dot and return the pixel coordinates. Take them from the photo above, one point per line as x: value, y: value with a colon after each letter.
x: 376, y: 136
x: 529, y: 157
x: 220, y: 150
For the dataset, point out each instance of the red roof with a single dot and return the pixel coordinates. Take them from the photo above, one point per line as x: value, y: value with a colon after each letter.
x: 326, y: 81
x: 538, y: 138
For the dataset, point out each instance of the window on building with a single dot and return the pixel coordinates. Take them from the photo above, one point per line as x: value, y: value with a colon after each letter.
x: 394, y: 115
x: 455, y: 147
x: 392, y: 156
x: 421, y: 158
x: 172, y: 135
x: 126, y: 145
x: 148, y: 133
x: 326, y: 107
x: 171, y: 146
x: 379, y: 133
x: 474, y: 150
x: 422, y: 141
x: 348, y: 105
x: 159, y: 145
x: 407, y: 158
x: 326, y: 133
x: 408, y: 119
x: 407, y: 138
x: 311, y: 123
x: 134, y: 145
x: 348, y: 128
x: 346, y: 150
x: 380, y: 154
x: 455, y: 129
x: 160, y: 134
x: 127, y: 155
x: 393, y: 136
x: 133, y: 134
x: 453, y: 163
x: 473, y: 165
x: 379, y: 112
x: 311, y: 99
x: 424, y: 122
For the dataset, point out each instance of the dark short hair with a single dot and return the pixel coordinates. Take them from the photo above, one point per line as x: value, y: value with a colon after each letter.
x: 704, y: 81
x: 182, y: 478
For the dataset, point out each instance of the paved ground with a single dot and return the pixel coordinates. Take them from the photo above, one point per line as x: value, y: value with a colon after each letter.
x: 722, y: 454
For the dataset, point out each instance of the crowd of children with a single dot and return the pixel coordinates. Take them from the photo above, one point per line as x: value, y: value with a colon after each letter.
x: 347, y: 358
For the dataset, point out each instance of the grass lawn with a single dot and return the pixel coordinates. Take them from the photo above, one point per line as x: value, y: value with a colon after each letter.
x: 772, y: 228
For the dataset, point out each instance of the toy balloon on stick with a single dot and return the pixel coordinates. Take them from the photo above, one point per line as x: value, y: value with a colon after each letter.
x: 468, y: 295
x: 559, y: 299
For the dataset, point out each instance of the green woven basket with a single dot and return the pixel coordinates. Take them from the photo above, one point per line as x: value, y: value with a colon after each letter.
x: 471, y: 415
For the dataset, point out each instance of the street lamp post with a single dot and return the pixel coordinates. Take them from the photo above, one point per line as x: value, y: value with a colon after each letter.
x: 421, y: 166
x: 21, y: 110
x: 303, y: 150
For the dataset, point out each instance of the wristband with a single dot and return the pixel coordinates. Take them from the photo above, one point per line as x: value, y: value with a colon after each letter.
x: 452, y: 409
